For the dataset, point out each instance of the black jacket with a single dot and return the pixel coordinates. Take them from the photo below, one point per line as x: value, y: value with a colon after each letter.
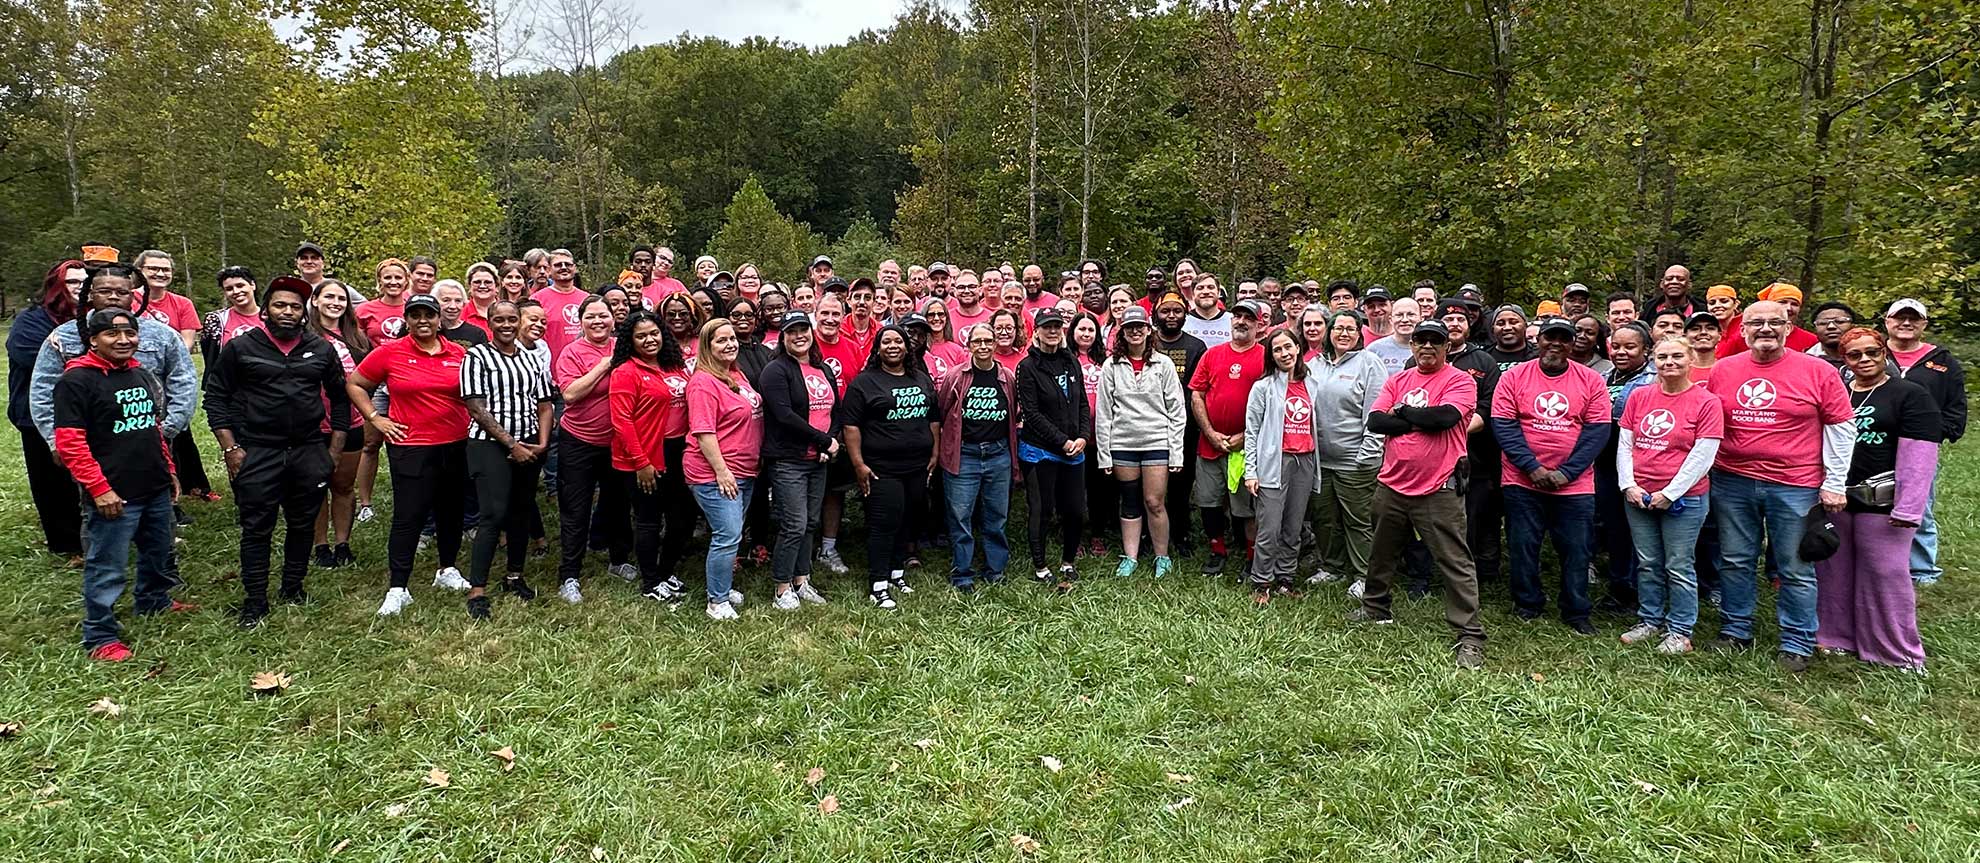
x: 787, y: 430
x: 1051, y: 394
x: 1944, y: 379
x: 752, y: 357
x: 268, y: 398
x: 1483, y: 369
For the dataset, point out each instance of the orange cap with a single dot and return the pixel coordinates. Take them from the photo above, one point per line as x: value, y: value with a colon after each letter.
x: 1779, y: 291
x: 100, y: 254
x: 1547, y: 307
x: 1716, y: 291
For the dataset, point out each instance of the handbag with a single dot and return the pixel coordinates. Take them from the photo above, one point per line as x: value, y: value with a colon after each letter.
x: 1875, y: 492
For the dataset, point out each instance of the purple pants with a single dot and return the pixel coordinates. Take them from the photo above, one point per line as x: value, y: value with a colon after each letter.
x: 1865, y: 600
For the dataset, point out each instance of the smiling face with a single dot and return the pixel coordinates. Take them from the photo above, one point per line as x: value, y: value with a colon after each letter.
x: 597, y: 321
x: 1587, y: 334
x: 157, y: 270
x: 1866, y: 359
x: 1013, y: 296
x: 724, y: 344
x: 1006, y: 329
x: 1702, y: 336
x: 452, y: 301
x: 982, y: 343
x: 619, y: 302
x: 1509, y: 331
x: 1343, y: 334
x: 1405, y: 313
x: 1626, y: 349
x: 1765, y: 325
x: 967, y: 291
x: 563, y: 270
x: 743, y: 314
x: 422, y: 278
x: 481, y: 286
x: 1084, y: 333
x: 830, y: 315
x: 1676, y: 282
x: 392, y: 282
x: 1313, y: 329
x: 773, y: 305
x: 534, y: 320
x: 1722, y: 307
x: 309, y: 264
x: 504, y: 323
x: 1906, y: 326
x: 423, y: 323
x: 118, y: 343
x: 1136, y: 337
x: 1554, y: 347
x: 796, y: 340
x: 331, y: 302
x: 238, y: 292
x: 1051, y: 336
x: 805, y: 298
x: 893, y: 349
x: 514, y: 284
x: 1673, y: 360
x: 646, y: 339
x: 1286, y: 350
x: 679, y: 317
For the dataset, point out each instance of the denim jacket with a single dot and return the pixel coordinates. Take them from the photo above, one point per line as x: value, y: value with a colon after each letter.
x: 160, y: 351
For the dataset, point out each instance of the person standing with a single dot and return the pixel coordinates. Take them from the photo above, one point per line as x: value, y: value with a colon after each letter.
x: 278, y: 407
x: 978, y: 453
x: 1552, y: 417
x: 1280, y: 467
x: 1701, y: 334
x: 1674, y: 293
x: 1629, y: 351
x: 800, y: 438
x: 561, y: 301
x: 424, y: 434
x: 1423, y: 412
x: 1397, y: 350
x: 649, y: 442
x: 1345, y: 381
x: 891, y: 428
x: 1139, y: 418
x: 1934, y: 368
x: 725, y: 419
x: 56, y: 503
x: 1208, y: 320
x: 1184, y: 351
x: 1669, y: 439
x: 584, y: 453
x: 1789, y: 432
x: 329, y: 316
x: 510, y: 401
x: 1052, y: 443
x: 1868, y: 603
x: 1484, y: 509
x: 160, y: 304
x: 107, y: 432
x: 1219, y: 393
x: 382, y: 318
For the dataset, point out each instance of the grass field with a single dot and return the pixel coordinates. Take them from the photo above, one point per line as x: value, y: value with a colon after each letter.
x: 1185, y: 723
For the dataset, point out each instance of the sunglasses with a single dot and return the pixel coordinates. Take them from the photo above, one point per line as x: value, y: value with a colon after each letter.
x: 1865, y: 354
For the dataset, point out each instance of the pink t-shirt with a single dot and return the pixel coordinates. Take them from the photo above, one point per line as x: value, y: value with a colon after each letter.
x: 1907, y: 359
x: 962, y: 322
x: 1045, y: 300
x: 1774, y: 416
x: 1089, y: 372
x: 657, y: 290
x: 1664, y: 428
x: 588, y: 418
x: 171, y: 310
x: 941, y: 358
x: 734, y: 418
x: 1552, y: 412
x: 382, y: 321
x: 1298, y: 432
x: 1011, y: 360
x: 560, y: 317
x: 1417, y: 463
x: 818, y: 392
x: 233, y: 323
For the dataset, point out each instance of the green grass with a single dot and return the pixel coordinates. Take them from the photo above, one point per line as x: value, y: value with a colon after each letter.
x: 652, y: 735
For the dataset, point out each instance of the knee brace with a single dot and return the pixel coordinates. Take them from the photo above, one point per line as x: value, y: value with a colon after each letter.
x: 1131, y: 499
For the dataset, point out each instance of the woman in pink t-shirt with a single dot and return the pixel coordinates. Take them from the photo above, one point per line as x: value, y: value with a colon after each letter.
x: 725, y: 423
x: 1102, y: 495
x: 584, y: 452
x: 1669, y: 439
x: 1280, y: 466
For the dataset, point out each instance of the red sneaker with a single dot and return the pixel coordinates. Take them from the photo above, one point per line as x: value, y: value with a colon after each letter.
x: 210, y: 497
x: 178, y: 607
x: 115, y: 651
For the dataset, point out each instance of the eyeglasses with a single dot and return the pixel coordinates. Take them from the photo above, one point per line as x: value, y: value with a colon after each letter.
x: 1865, y: 354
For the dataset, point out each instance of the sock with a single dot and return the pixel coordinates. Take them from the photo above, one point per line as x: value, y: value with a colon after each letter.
x: 829, y: 546
x: 880, y: 586
x: 897, y: 575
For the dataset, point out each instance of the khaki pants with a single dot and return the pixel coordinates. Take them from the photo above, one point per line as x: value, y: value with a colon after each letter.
x: 1438, y: 517
x: 1343, y: 518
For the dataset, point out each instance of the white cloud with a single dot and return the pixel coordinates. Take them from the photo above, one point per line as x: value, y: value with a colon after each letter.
x: 806, y: 22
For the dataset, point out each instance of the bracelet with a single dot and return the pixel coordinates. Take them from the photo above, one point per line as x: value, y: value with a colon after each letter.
x: 231, y: 449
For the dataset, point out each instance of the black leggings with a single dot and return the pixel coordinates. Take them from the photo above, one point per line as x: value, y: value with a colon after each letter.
x: 506, y: 493
x: 1050, y: 486
x: 56, y: 496
x: 582, y: 470
x: 660, y: 557
x: 192, y: 469
x: 889, y: 519
x: 425, y: 482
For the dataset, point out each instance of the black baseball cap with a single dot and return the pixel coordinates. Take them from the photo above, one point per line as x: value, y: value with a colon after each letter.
x: 912, y: 319
x: 1430, y: 328
x: 1550, y: 324
x: 307, y: 246
x: 1701, y: 318
x: 1575, y: 288
x: 1375, y: 294
x: 821, y: 259
x: 793, y: 318
x: 834, y: 284
x: 1048, y: 317
x: 1257, y: 309
x: 421, y: 301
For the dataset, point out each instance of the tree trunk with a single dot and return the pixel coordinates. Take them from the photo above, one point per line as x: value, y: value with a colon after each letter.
x: 1031, y: 185
x: 1818, y: 186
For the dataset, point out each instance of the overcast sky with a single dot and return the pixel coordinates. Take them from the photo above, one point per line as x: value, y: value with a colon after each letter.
x: 806, y: 22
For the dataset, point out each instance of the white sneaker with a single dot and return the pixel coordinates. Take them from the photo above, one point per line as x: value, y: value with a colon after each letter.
x: 449, y: 578
x: 624, y: 570
x: 1322, y: 576
x: 735, y: 598
x: 881, y: 598
x: 721, y: 611
x: 569, y: 592
x: 832, y: 561
x: 809, y: 594
x: 1359, y: 587
x: 1641, y: 632
x: 899, y: 578
x: 1674, y: 644
x: 396, y: 601
x: 786, y: 601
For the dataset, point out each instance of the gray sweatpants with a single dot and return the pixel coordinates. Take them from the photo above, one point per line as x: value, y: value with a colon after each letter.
x: 1280, y: 513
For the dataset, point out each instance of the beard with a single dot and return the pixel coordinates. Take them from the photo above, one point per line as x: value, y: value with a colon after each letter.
x: 284, y: 329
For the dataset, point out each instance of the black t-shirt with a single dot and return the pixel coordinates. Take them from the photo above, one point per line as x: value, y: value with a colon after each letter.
x: 1184, y: 352
x: 1895, y: 409
x: 892, y: 413
x: 986, y: 413
x: 118, y: 412
x: 465, y: 335
x: 1507, y: 359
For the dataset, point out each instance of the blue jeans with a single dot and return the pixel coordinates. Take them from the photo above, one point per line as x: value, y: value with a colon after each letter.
x: 981, y: 493
x: 1746, y: 509
x: 725, y: 526
x: 1567, y: 517
x: 147, y: 522
x: 1666, y: 572
x: 1925, y: 544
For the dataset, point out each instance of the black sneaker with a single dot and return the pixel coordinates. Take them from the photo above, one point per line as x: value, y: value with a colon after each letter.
x: 324, y: 558
x: 294, y: 595
x: 180, y: 516
x: 517, y: 587
x: 478, y: 607
x: 1581, y: 627
x: 882, y: 599
x: 1214, y: 564
x: 1792, y: 663
x: 342, y: 554
x: 1527, y: 613
x: 1728, y: 644
x: 252, y: 614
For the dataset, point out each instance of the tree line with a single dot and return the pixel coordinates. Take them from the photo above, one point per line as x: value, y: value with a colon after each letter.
x: 1518, y: 145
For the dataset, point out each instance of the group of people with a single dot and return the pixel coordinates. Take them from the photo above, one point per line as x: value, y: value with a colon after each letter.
x: 1399, y: 440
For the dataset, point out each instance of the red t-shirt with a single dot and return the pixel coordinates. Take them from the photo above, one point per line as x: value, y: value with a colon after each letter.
x: 1298, y: 434
x: 1664, y: 428
x: 560, y: 317
x: 734, y: 418
x: 1089, y: 371
x: 1011, y: 360
x: 1044, y: 300
x: 233, y: 323
x: 1417, y: 463
x: 642, y: 399
x: 588, y: 418
x: 426, y: 389
x: 1224, y: 376
x: 1774, y: 416
x: 1552, y: 411
x: 863, y: 340
x: 843, y: 357
x: 382, y: 321
x: 941, y: 358
x: 818, y: 392
x: 171, y: 310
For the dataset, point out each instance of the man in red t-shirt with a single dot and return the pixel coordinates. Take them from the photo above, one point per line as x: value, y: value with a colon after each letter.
x: 1424, y: 410
x: 1551, y: 417
x: 1218, y: 393
x: 845, y: 358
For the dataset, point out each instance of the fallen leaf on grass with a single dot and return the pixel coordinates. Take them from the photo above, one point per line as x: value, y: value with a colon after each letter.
x: 1086, y: 699
x: 10, y: 729
x: 46, y: 791
x: 270, y: 683
x: 105, y: 707
x: 1179, y: 777
x: 1645, y: 787
x: 339, y: 847
x: 507, y: 757
x: 1867, y: 720
x: 439, y: 778
x: 893, y: 767
x: 597, y: 852
x: 1052, y: 764
x: 924, y: 744
x: 814, y: 776
x: 156, y: 669
x: 1179, y: 804
x: 395, y: 810
x: 1024, y: 844
x: 1537, y: 677
x: 1189, y: 679
x: 829, y: 804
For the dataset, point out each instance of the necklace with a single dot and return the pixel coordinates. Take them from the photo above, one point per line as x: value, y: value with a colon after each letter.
x: 1858, y: 396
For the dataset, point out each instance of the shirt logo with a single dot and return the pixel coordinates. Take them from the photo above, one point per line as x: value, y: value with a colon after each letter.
x: 751, y: 395
x: 1550, y: 405
x: 1657, y: 423
x: 833, y: 364
x: 938, y: 365
x: 571, y: 314
x: 1756, y: 394
x: 677, y: 385
x: 393, y: 327
x: 816, y: 388
x: 1417, y: 398
x: 1298, y: 410
x: 1236, y: 369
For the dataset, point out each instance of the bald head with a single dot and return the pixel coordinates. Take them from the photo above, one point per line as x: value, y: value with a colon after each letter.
x: 1405, y: 312
x: 1676, y: 282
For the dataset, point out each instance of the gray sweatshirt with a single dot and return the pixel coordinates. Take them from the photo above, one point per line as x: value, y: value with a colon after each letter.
x: 1343, y: 391
x: 1139, y: 410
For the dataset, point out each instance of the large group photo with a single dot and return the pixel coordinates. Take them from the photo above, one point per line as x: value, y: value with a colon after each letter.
x: 1216, y: 432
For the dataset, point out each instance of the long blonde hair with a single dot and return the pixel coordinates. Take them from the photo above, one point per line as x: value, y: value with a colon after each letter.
x: 704, y: 355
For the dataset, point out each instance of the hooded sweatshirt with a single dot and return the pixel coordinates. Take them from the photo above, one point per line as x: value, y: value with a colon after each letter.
x: 1140, y: 410
x: 109, y: 430
x: 1344, y: 390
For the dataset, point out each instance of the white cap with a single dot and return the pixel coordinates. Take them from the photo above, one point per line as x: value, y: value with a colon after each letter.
x: 708, y: 258
x: 1906, y: 303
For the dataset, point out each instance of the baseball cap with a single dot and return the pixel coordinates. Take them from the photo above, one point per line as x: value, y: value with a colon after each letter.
x: 834, y: 284
x: 821, y: 259
x: 1257, y: 308
x: 1376, y: 294
x: 1430, y: 328
x: 1133, y: 315
x: 1048, y: 317
x: 938, y: 267
x: 1446, y: 307
x: 292, y: 284
x: 307, y: 246
x: 1509, y: 307
x: 1575, y: 288
x: 103, y: 320
x: 1168, y: 297
x: 793, y: 318
x: 711, y: 259
x: 1155, y: 273
x: 1292, y: 288
x: 421, y: 301
x: 1700, y: 318
x: 1471, y: 292
x: 1548, y: 325
x: 862, y: 280
x: 1906, y: 304
x: 914, y: 319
